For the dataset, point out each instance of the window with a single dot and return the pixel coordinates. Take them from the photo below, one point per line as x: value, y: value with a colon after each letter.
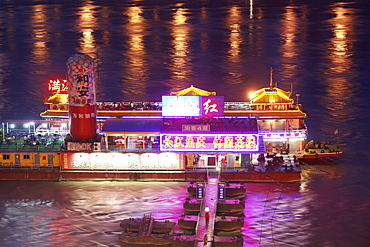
x: 26, y: 157
x: 6, y: 156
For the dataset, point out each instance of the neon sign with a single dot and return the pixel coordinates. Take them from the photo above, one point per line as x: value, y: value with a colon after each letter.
x: 121, y: 161
x: 210, y: 106
x: 58, y: 86
x: 209, y: 142
x: 186, y: 105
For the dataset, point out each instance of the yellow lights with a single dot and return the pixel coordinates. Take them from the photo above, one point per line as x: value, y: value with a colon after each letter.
x: 296, y: 139
x: 251, y: 95
x: 57, y: 98
x: 64, y: 101
x: 135, y: 15
x: 265, y: 95
x: 193, y: 91
x: 86, y: 20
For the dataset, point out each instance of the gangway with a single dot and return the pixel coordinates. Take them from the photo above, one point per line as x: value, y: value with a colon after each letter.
x: 204, y: 231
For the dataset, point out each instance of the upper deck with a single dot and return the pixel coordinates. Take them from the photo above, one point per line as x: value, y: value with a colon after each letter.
x: 270, y: 102
x: 144, y: 109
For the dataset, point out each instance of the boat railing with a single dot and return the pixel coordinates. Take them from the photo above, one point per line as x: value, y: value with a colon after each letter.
x: 282, y: 130
x: 29, y: 167
x: 238, y: 106
x: 31, y: 148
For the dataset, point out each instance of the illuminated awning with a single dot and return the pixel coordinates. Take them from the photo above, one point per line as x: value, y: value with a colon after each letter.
x: 132, y: 126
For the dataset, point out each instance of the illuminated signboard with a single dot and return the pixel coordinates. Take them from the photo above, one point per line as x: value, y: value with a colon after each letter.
x: 212, y: 106
x: 58, y: 86
x: 121, y: 161
x: 209, y: 142
x: 181, y: 106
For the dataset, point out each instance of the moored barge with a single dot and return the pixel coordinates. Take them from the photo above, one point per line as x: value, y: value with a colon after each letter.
x: 179, y: 138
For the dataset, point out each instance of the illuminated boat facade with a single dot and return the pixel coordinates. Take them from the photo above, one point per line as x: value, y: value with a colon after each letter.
x: 190, y: 128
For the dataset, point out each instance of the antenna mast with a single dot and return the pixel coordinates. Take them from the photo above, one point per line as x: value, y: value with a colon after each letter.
x: 271, y: 83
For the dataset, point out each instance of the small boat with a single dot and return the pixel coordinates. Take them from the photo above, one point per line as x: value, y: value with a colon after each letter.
x: 231, y: 189
x: 192, y: 205
x: 314, y: 150
x: 228, y: 223
x: 188, y: 222
x: 133, y: 225
x: 221, y: 241
x: 230, y: 206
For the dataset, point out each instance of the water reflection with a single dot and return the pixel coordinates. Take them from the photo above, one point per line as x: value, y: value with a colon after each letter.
x: 339, y: 59
x: 235, y: 38
x: 39, y: 33
x: 135, y: 63
x: 86, y: 23
x: 180, y: 61
x: 293, y: 33
x: 80, y: 213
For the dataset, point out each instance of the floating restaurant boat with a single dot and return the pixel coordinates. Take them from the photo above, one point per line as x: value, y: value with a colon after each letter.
x: 179, y: 138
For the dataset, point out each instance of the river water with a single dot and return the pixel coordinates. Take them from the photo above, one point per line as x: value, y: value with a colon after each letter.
x: 147, y: 48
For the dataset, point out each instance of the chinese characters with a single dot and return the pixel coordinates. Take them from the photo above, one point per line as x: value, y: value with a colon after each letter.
x: 58, y: 86
x: 209, y: 142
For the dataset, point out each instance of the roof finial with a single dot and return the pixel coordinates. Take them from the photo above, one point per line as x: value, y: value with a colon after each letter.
x: 271, y: 83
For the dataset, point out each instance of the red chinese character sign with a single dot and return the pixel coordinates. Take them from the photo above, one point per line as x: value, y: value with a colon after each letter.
x: 82, y: 103
x: 58, y: 86
x: 212, y: 106
x: 209, y: 142
x: 187, y: 106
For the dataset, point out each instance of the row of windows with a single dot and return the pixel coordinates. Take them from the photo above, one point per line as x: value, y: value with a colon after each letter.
x: 25, y: 157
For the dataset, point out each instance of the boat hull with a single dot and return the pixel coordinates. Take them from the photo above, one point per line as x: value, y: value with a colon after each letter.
x: 133, y: 225
x: 146, y: 240
x: 319, y: 155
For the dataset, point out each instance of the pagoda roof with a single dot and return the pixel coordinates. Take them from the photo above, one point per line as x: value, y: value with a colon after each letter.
x: 193, y: 91
x: 271, y: 95
x: 56, y: 99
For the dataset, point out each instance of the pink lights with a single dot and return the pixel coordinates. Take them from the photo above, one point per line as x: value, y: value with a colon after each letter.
x: 209, y: 142
x: 177, y: 106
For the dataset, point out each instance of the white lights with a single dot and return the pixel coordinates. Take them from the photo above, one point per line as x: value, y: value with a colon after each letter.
x: 122, y: 161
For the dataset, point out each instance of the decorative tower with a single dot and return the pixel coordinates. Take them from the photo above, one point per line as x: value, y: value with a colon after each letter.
x: 81, y: 72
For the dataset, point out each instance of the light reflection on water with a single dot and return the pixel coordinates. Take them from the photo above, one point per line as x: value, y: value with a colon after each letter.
x: 149, y: 48
x: 89, y: 213
x: 80, y: 213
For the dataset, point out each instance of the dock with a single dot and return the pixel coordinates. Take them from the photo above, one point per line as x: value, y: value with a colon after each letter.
x: 203, y: 220
x: 205, y: 226
x: 204, y: 232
